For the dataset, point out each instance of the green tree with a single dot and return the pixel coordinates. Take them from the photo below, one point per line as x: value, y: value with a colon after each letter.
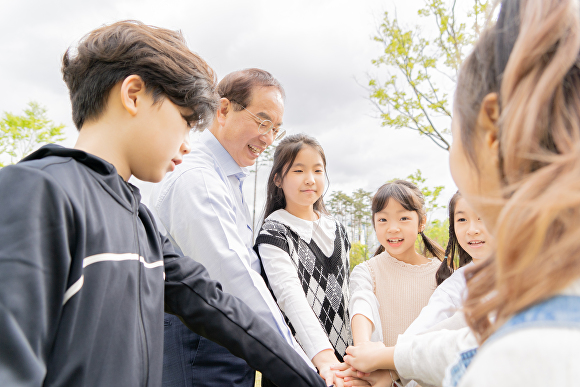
x: 410, y: 96
x: 431, y: 195
x: 438, y: 230
x: 359, y: 252
x: 20, y: 135
x: 340, y: 206
x: 361, y: 214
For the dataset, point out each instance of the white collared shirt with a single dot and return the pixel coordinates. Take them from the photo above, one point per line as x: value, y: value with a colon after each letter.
x: 200, y: 207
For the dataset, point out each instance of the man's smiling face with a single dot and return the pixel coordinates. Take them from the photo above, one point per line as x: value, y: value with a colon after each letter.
x: 241, y: 137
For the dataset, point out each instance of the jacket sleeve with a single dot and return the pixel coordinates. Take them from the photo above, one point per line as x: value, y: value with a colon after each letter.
x: 226, y: 320
x: 34, y: 265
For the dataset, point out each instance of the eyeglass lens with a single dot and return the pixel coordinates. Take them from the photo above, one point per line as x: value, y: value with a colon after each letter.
x: 267, y: 125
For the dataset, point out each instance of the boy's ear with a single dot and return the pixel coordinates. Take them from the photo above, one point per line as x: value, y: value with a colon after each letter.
x: 131, y: 89
x: 223, y: 110
x: 487, y: 123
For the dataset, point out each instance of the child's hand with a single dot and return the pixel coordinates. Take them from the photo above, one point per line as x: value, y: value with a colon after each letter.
x: 370, y: 356
x: 378, y: 378
x: 323, y: 360
x: 349, y: 375
x: 330, y: 377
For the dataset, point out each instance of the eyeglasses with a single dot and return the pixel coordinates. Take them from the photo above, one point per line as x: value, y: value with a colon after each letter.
x: 265, y: 126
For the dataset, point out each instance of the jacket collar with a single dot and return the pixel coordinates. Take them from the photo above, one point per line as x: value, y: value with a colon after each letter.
x: 104, y: 172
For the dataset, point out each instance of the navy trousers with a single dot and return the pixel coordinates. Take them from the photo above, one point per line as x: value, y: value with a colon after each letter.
x: 192, y: 360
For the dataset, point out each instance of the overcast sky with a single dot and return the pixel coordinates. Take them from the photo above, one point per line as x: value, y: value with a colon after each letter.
x: 321, y: 51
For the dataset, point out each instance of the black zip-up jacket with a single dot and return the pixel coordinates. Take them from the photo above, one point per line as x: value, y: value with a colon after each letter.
x: 85, y: 276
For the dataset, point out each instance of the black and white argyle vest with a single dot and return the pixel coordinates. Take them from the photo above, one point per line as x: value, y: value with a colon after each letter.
x: 325, y: 280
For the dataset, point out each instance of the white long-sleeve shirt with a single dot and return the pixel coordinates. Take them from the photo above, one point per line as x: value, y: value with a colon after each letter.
x: 200, y: 207
x: 285, y: 283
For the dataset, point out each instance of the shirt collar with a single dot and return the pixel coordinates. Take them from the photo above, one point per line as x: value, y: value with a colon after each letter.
x: 225, y: 160
x: 305, y: 228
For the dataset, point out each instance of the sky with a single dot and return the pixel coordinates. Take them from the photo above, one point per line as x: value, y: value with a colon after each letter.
x: 320, y: 50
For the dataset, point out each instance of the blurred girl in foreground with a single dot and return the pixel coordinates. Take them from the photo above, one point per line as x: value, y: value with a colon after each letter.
x: 516, y: 160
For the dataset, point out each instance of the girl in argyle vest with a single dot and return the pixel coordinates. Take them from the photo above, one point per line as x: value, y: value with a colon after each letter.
x: 304, y: 253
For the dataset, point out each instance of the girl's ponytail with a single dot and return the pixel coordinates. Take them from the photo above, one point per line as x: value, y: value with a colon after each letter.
x: 379, y: 250
x: 432, y: 247
x: 448, y: 265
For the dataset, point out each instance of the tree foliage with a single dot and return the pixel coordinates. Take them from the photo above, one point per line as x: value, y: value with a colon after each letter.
x: 438, y: 230
x: 416, y: 64
x: 21, y: 134
x: 431, y: 195
x: 359, y: 252
x: 354, y: 212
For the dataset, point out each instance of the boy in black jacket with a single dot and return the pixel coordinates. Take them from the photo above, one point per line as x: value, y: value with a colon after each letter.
x: 84, y: 272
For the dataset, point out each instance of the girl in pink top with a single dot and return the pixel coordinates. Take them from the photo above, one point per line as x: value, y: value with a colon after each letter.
x: 389, y: 290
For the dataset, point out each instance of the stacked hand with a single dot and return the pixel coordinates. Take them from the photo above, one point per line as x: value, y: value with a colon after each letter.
x: 370, y: 356
x: 367, y: 364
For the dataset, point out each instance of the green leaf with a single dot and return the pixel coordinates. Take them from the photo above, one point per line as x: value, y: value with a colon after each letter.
x: 22, y: 134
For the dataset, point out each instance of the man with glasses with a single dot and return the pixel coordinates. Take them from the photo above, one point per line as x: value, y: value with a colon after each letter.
x: 202, y: 209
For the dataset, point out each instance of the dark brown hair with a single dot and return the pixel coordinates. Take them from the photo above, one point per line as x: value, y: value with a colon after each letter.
x: 159, y: 56
x: 238, y: 86
x: 453, y: 249
x: 411, y: 198
x: 284, y: 157
x: 531, y: 58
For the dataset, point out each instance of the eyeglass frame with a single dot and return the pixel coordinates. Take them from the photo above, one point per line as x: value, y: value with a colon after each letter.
x: 277, y: 136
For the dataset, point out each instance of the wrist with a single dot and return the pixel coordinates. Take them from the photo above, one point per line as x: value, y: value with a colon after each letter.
x: 386, y: 359
x: 324, y: 358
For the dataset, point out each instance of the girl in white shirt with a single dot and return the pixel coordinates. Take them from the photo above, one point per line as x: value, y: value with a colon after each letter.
x: 304, y: 253
x: 469, y: 242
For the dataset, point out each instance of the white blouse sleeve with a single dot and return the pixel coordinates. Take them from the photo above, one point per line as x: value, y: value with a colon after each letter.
x: 424, y: 358
x: 286, y: 286
x: 363, y: 300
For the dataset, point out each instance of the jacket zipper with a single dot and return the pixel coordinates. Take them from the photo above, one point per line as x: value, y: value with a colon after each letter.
x: 141, y: 324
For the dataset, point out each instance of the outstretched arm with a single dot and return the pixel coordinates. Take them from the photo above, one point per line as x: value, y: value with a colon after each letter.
x: 370, y: 356
x: 224, y: 319
x: 34, y: 268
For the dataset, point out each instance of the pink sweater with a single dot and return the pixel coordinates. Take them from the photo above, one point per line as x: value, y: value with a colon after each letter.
x: 402, y: 291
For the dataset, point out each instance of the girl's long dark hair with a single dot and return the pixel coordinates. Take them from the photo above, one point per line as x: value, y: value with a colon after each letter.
x: 411, y: 198
x: 284, y: 157
x: 453, y: 247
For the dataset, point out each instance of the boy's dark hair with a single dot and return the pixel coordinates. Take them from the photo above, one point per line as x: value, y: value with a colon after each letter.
x: 284, y: 157
x: 238, y: 86
x: 159, y: 56
x: 410, y: 197
x: 453, y: 247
